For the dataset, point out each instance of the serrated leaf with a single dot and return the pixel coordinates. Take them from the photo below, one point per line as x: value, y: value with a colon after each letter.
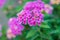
x: 31, y: 33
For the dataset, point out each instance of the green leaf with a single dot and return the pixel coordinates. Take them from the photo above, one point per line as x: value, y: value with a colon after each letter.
x: 3, y: 37
x: 17, y: 38
x: 31, y: 33
x: 46, y: 1
x: 19, y: 8
x: 33, y: 38
x: 44, y: 25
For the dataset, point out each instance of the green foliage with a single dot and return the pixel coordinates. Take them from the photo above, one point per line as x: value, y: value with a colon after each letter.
x: 3, y: 37
x: 44, y: 25
x: 31, y: 33
x: 17, y: 38
x: 46, y: 1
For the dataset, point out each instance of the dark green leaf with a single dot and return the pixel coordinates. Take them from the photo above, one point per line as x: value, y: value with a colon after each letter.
x: 31, y: 33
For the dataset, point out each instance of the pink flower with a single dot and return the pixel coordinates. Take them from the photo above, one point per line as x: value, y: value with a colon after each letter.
x: 10, y: 34
x: 32, y: 18
x: 22, y: 17
x: 34, y: 4
x: 31, y: 13
x: 48, y: 9
x: 15, y: 26
x: 2, y: 2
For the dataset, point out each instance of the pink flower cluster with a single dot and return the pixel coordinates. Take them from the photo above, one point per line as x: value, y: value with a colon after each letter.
x: 33, y: 18
x: 31, y: 15
x: 15, y: 26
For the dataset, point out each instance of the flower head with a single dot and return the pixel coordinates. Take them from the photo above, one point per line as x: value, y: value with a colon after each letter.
x: 31, y: 14
x: 34, y: 4
x: 48, y: 8
x: 15, y: 26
